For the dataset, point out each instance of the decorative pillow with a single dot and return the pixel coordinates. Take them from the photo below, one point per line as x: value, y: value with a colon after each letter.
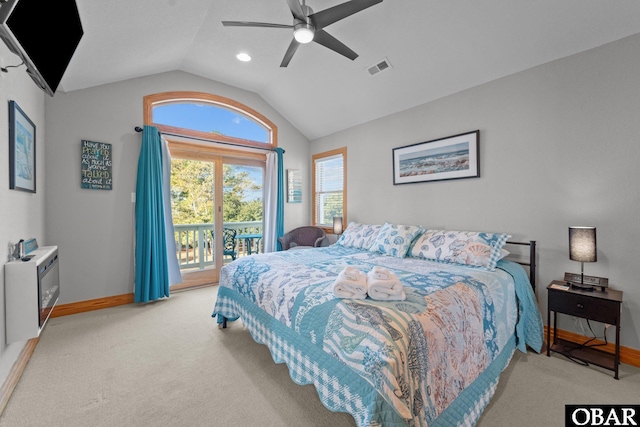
x: 395, y: 240
x: 461, y: 247
x: 359, y: 236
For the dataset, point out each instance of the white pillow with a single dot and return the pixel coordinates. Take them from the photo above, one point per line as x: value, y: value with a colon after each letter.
x: 395, y: 240
x: 461, y: 247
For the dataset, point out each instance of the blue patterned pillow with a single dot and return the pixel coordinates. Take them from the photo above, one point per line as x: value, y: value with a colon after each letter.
x: 359, y: 236
x: 395, y: 240
x: 461, y: 247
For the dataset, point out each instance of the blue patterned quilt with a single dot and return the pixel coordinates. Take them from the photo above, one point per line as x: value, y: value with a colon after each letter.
x: 432, y: 359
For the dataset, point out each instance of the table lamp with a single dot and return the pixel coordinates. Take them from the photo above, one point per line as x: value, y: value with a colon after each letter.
x: 337, y: 225
x: 582, y: 247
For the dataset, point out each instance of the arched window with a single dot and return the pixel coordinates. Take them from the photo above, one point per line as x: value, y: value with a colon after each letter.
x: 209, y: 117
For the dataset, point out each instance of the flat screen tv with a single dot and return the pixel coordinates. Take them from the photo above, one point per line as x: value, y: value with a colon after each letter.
x: 44, y: 34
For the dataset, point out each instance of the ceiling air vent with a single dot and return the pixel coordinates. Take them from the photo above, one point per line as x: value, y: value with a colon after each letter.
x: 379, y: 67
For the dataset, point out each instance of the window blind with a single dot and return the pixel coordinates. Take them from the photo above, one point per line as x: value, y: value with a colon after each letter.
x: 329, y: 183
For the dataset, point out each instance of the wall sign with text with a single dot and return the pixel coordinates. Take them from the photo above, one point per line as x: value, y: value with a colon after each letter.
x: 96, y: 165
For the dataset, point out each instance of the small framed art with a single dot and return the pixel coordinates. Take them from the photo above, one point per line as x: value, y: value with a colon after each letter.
x: 22, y: 150
x: 453, y: 157
x: 294, y: 186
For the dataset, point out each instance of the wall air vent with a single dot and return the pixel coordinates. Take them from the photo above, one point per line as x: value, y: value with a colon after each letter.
x: 379, y: 67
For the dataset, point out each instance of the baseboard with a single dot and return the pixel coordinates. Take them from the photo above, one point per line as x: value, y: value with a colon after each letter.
x: 628, y: 355
x: 106, y: 302
x: 16, y: 372
x: 90, y: 305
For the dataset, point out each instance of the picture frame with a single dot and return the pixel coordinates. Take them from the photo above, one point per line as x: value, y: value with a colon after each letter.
x: 452, y: 157
x: 96, y: 165
x: 294, y: 186
x: 22, y: 150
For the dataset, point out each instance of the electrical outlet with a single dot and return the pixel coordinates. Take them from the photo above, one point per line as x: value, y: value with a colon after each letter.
x: 133, y: 197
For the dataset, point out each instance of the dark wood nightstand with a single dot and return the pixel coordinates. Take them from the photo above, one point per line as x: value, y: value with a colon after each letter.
x: 594, y: 305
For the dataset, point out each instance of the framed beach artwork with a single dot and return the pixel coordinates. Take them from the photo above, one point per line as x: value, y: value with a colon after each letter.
x: 453, y: 157
x: 22, y: 150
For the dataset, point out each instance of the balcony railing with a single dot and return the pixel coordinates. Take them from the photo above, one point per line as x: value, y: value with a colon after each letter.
x: 194, y: 243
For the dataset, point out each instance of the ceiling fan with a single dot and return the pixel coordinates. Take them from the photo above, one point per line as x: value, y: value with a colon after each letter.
x: 309, y: 26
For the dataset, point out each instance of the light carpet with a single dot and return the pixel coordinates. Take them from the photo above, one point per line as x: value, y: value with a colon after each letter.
x: 167, y: 364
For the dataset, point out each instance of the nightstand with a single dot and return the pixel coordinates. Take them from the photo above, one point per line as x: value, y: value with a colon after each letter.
x: 593, y: 305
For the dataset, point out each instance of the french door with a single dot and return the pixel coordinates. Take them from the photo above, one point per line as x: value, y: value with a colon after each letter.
x: 217, y: 206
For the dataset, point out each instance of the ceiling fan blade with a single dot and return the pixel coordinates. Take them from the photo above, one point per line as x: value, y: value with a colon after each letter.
x: 329, y: 16
x: 253, y: 24
x: 293, y: 46
x: 327, y: 40
x: 296, y: 10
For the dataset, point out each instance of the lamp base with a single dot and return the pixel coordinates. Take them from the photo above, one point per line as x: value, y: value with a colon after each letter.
x: 582, y: 286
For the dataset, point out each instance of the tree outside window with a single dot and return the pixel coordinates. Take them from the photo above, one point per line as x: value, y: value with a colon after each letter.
x: 192, y: 192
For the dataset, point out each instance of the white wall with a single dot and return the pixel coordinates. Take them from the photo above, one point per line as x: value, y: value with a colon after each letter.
x: 94, y: 228
x: 559, y: 146
x: 22, y: 214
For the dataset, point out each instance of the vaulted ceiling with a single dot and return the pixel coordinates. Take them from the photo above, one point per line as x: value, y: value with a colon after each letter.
x: 435, y: 48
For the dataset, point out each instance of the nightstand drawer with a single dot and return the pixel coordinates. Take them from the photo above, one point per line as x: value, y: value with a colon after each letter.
x: 600, y: 310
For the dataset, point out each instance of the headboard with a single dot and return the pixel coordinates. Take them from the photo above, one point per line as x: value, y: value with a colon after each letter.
x: 531, y: 262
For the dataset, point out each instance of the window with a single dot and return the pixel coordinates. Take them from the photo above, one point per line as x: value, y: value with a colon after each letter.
x: 329, y: 187
x: 209, y: 117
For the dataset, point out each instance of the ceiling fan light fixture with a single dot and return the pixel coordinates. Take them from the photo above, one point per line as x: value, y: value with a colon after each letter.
x: 306, y: 22
x: 303, y: 32
x: 244, y: 57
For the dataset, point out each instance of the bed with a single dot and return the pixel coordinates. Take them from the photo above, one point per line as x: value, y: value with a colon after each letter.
x: 432, y: 359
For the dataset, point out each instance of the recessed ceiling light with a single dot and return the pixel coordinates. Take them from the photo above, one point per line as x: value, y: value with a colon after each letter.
x: 244, y: 57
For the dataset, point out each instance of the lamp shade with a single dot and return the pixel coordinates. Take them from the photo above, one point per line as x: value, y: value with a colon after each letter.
x: 582, y: 244
x: 337, y: 225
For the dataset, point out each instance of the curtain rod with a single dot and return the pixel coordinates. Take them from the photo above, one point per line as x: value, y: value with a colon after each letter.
x: 139, y: 129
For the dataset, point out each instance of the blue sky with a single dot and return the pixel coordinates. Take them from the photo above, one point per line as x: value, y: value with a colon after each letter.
x: 209, y: 118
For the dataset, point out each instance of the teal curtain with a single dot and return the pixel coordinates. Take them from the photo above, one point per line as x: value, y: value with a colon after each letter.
x: 151, y: 266
x: 280, y: 198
